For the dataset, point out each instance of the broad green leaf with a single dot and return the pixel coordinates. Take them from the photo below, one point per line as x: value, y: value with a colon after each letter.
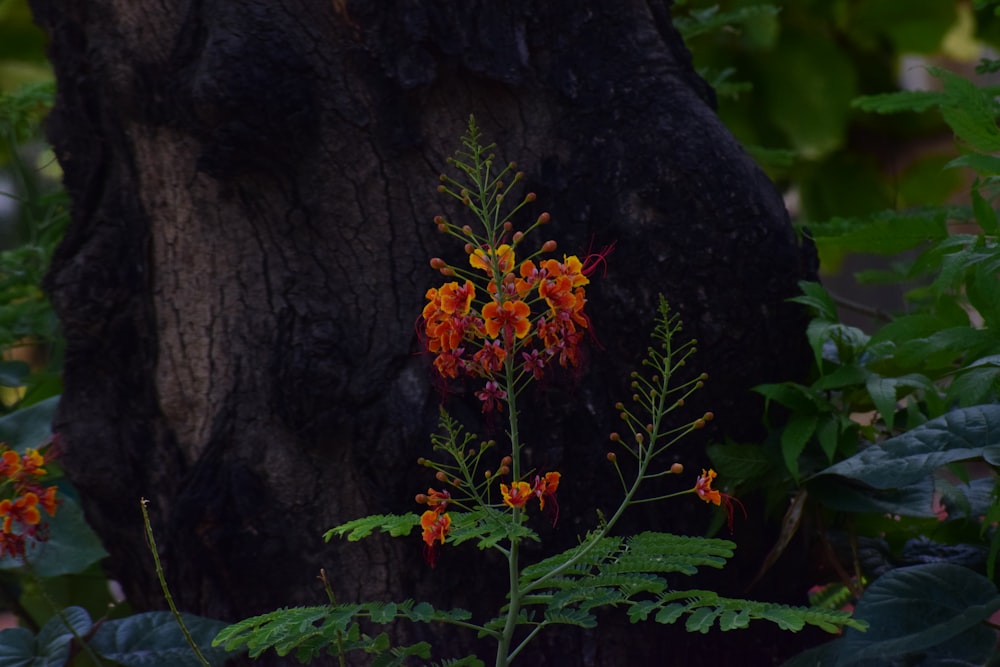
x: 914, y: 609
x: 986, y: 165
x: 797, y: 433
x: 974, y: 386
x: 967, y: 433
x: 971, y: 112
x: 72, y: 545
x: 153, y: 639
x: 810, y: 108
x: 986, y: 215
x: 738, y: 461
x: 30, y: 427
x: 816, y: 297
x: 51, y: 648
x: 884, y: 392
x: 886, y: 233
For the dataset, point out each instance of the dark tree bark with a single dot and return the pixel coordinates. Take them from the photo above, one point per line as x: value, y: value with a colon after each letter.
x: 253, y: 185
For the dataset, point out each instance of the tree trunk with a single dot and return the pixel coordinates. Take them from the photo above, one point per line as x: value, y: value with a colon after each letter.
x: 253, y: 185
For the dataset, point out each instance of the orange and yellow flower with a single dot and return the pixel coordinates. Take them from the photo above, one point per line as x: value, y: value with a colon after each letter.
x: 516, y: 495
x: 483, y: 259
x: 436, y: 526
x: 703, y: 487
x: 512, y: 317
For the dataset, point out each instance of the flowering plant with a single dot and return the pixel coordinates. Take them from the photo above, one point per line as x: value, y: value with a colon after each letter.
x: 505, y: 324
x: 23, y: 496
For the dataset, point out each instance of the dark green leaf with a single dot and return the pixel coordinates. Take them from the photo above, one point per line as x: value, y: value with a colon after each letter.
x: 72, y: 545
x: 967, y: 433
x: 153, y: 639
x: 915, y: 608
x: 30, y: 427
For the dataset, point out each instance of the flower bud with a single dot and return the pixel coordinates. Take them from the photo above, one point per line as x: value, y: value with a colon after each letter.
x: 437, y: 263
x: 649, y: 428
x: 439, y: 220
x: 676, y: 469
x: 446, y: 271
x: 639, y: 438
x: 517, y: 237
x: 512, y: 166
x: 442, y: 228
x: 679, y: 403
x: 508, y: 225
x: 615, y: 437
x: 612, y: 457
x: 503, y: 470
x: 441, y: 188
x: 467, y: 229
x: 506, y: 461
x: 708, y: 416
x: 530, y: 197
x: 499, y: 198
x: 421, y: 461
x: 440, y: 476
x: 699, y: 423
x: 519, y: 175
x: 549, y: 246
x: 487, y: 474
x: 443, y: 178
x: 544, y: 218
x: 421, y: 498
x: 619, y: 406
x: 704, y: 376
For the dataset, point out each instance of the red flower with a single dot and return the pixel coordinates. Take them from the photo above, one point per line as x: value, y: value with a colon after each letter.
x: 545, y: 489
x: 516, y: 495
x: 492, y: 397
x: 436, y: 526
x: 511, y: 318
x: 703, y: 487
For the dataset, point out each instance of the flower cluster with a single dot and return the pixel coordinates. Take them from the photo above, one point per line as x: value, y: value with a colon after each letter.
x: 435, y: 522
x: 523, y: 316
x: 517, y: 495
x: 22, y: 497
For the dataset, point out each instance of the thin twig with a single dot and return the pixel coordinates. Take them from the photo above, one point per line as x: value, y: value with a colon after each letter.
x: 151, y: 542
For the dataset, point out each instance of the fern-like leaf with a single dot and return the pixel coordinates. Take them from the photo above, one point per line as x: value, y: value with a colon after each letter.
x: 397, y: 525
x: 488, y: 526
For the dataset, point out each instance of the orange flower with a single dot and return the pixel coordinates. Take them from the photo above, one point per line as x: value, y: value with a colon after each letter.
x: 456, y: 299
x: 436, y: 526
x: 517, y: 495
x: 545, y: 488
x: 511, y: 317
x: 10, y: 464
x: 482, y: 259
x: 24, y: 510
x: 438, y: 500
x: 703, y: 487
x: 49, y: 501
x: 32, y: 462
x: 490, y: 357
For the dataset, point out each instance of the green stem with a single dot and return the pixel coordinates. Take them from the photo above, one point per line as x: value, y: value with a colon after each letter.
x: 166, y: 590
x: 513, y: 564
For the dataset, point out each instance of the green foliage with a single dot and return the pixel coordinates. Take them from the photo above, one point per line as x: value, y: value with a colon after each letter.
x: 311, y: 632
x: 935, y: 614
x: 901, y: 422
x: 358, y: 529
x: 151, y: 639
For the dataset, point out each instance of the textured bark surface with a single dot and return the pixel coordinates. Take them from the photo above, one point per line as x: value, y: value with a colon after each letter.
x: 253, y: 188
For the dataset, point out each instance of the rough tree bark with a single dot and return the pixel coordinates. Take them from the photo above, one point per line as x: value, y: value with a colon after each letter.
x: 253, y: 188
